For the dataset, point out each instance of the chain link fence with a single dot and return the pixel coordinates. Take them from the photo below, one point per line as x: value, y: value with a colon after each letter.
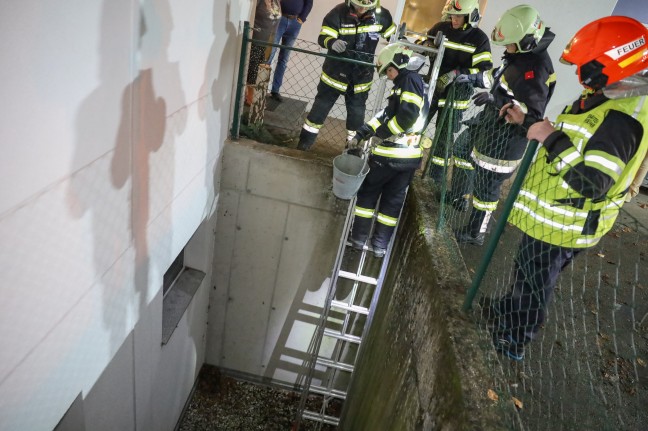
x: 586, y: 367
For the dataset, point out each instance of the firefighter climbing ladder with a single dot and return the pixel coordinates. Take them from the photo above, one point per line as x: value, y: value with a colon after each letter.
x: 352, y: 297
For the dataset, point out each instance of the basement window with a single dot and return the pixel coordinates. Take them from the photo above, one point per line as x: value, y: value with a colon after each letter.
x: 179, y: 285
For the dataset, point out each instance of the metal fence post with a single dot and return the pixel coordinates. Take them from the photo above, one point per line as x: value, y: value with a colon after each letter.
x: 236, y: 121
x: 499, y: 228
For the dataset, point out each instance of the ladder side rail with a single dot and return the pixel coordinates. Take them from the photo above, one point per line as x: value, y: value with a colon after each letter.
x: 376, y: 297
x: 316, y: 341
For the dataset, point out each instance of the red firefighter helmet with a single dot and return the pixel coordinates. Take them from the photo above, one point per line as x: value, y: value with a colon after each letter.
x: 608, y: 50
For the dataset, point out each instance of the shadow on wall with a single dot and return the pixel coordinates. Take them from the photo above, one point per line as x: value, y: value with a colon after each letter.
x: 142, y: 131
x: 217, y: 87
x: 290, y: 352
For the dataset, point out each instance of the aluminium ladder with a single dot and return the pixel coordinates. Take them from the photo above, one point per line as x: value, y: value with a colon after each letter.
x: 339, y: 323
x: 351, y: 298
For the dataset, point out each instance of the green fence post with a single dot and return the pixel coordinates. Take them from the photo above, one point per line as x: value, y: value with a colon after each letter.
x: 499, y: 228
x: 236, y: 121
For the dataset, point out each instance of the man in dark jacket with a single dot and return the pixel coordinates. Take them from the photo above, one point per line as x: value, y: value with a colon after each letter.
x: 293, y: 15
x: 525, y: 78
x: 466, y: 57
x: 350, y: 30
x: 393, y: 161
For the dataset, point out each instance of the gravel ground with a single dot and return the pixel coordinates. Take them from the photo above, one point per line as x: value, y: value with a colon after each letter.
x: 222, y: 403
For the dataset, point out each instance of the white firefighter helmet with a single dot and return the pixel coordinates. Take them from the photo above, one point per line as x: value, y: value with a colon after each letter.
x: 462, y: 7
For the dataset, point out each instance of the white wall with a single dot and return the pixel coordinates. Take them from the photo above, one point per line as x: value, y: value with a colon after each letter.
x: 113, y: 117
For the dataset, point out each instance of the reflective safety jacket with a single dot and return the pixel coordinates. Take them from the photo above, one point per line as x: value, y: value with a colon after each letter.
x: 401, y: 122
x: 467, y: 50
x: 528, y: 80
x: 361, y: 35
x: 578, y: 181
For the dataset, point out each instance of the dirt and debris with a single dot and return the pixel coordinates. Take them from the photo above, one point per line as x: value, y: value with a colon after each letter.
x: 223, y: 403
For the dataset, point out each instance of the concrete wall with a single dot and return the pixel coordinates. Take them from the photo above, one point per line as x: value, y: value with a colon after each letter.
x: 113, y: 119
x: 277, y: 234
x: 423, y: 364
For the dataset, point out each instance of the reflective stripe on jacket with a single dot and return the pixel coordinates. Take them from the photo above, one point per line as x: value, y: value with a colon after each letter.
x: 361, y: 35
x: 577, y: 183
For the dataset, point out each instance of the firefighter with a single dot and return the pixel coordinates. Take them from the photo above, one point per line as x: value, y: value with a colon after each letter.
x: 351, y: 30
x: 397, y: 155
x: 467, y: 55
x: 582, y: 171
x: 525, y: 78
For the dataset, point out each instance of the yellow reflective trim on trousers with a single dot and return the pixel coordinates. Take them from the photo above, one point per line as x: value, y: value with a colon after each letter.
x: 412, y: 98
x: 333, y: 83
x: 495, y: 165
x: 328, y: 31
x: 364, y: 212
x: 398, y: 153
x: 360, y: 88
x: 394, y: 127
x: 457, y: 104
x: 439, y: 161
x: 463, y: 164
x: 459, y: 46
x: 386, y: 220
x: 484, y: 206
x: 374, y: 123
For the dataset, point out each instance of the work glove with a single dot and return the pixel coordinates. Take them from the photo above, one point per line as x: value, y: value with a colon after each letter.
x: 445, y: 80
x: 465, y: 79
x: 339, y: 46
x: 483, y: 98
x: 353, y: 143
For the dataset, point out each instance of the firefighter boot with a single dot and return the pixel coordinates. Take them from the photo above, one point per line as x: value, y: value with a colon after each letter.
x: 473, y: 233
x: 306, y: 140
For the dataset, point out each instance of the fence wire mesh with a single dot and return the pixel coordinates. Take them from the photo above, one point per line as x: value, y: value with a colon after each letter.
x: 586, y: 367
x: 279, y: 121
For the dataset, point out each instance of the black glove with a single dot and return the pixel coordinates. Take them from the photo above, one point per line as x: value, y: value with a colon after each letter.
x: 465, y: 79
x: 353, y: 143
x: 483, y: 98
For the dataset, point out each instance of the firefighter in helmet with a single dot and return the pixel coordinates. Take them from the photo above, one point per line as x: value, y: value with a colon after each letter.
x: 466, y: 58
x: 351, y: 30
x: 397, y: 155
x: 525, y: 78
x: 581, y: 173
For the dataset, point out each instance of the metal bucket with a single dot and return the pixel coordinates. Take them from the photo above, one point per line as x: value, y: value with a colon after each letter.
x: 348, y: 173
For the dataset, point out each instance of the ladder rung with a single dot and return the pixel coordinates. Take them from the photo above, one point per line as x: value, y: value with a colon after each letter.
x: 319, y: 417
x: 354, y: 308
x: 360, y: 278
x: 341, y: 336
x: 334, y: 364
x: 335, y: 393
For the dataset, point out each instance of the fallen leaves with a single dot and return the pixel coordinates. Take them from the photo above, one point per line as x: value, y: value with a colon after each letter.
x: 492, y: 395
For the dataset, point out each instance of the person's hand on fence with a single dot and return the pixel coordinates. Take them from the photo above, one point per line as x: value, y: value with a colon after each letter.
x: 483, y: 98
x: 445, y: 80
x: 540, y: 130
x: 512, y: 113
x: 339, y: 46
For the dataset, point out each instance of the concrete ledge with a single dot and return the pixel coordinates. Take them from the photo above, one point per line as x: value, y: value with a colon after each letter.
x: 424, y: 365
